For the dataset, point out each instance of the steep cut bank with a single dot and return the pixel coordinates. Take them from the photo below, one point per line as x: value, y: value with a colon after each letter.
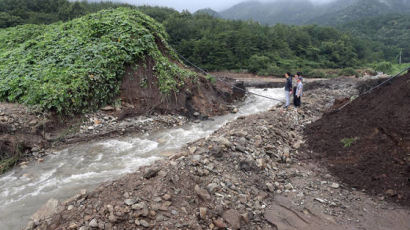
x: 50, y: 76
x: 367, y: 143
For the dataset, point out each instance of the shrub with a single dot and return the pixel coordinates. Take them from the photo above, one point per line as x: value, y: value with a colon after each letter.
x: 349, y: 72
x: 385, y: 67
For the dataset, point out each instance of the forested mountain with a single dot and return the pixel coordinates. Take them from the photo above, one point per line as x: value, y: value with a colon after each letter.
x: 301, y: 12
x: 219, y: 44
x: 392, y: 30
x: 18, y: 12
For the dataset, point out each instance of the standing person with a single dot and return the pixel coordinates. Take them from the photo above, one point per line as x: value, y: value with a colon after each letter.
x: 294, y: 89
x: 288, y: 88
x: 299, y: 90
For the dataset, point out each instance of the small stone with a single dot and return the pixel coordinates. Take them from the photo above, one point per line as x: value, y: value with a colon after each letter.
x: 138, y: 206
x: 270, y: 187
x: 202, y: 193
x: 390, y: 192
x: 212, y: 187
x: 245, y: 217
x: 166, y: 197
x: 233, y: 218
x: 130, y: 202
x: 261, y: 163
x: 33, y: 122
x: 335, y: 185
x: 288, y: 186
x: 70, y: 207
x: 73, y: 226
x: 157, y: 199
x: 144, y: 223
x: 83, y: 228
x: 220, y: 223
x: 151, y: 172
x: 112, y: 218
x: 110, y: 208
x: 196, y: 114
x: 202, y: 212
x: 320, y: 200
x: 93, y: 223
x: 235, y: 110
x: 107, y: 108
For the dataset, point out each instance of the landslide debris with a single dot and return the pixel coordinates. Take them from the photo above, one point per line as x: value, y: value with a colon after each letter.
x: 367, y: 143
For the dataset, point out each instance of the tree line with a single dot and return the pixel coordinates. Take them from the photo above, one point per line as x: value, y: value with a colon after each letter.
x: 19, y: 12
x: 219, y: 44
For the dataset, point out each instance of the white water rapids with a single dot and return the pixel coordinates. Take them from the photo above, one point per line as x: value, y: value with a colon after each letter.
x: 84, y: 166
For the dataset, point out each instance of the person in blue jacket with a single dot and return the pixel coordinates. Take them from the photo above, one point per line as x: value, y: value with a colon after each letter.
x: 288, y: 89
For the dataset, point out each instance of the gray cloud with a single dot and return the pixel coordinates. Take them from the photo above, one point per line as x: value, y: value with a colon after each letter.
x: 194, y: 5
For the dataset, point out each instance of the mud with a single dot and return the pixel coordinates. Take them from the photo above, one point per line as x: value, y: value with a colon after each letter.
x: 367, y: 143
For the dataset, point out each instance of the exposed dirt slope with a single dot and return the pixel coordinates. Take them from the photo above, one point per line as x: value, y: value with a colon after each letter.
x: 367, y: 143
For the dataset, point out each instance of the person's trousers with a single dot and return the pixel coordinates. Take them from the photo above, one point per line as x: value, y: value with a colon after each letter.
x: 297, y: 101
x: 287, y: 97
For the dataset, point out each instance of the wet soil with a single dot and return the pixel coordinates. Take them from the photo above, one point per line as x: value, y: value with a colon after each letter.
x: 367, y: 143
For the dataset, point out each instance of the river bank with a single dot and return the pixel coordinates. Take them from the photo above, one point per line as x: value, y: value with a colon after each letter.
x: 250, y: 174
x: 27, y: 134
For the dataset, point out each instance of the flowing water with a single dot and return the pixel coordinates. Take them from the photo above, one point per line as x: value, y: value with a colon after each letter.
x: 84, y: 166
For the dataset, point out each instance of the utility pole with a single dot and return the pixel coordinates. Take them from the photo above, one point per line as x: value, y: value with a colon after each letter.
x: 400, y: 56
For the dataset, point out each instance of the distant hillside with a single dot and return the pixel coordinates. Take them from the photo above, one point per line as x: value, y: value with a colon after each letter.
x: 208, y: 11
x: 294, y: 12
x: 361, y: 9
x: 301, y: 12
x: 391, y: 30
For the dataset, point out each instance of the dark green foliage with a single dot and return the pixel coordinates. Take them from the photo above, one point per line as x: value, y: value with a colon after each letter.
x: 349, y: 72
x: 218, y: 44
x: 391, y: 30
x: 385, y: 67
x: 77, y: 66
x: 18, y: 12
x: 303, y: 12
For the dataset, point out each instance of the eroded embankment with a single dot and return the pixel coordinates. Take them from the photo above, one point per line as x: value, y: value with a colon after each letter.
x: 248, y: 175
x: 24, y: 132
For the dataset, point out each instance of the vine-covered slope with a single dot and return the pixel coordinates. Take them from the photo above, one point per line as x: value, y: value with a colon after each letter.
x: 78, y: 66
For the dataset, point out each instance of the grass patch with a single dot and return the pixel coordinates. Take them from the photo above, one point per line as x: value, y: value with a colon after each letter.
x: 347, y: 142
x: 6, y: 164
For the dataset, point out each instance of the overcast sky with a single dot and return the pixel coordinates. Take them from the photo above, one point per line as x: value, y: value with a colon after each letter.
x: 194, y: 5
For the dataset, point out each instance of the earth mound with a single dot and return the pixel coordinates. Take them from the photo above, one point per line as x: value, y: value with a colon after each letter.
x: 367, y: 143
x: 80, y: 66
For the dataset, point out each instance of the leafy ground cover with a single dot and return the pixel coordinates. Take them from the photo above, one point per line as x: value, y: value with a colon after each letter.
x: 77, y: 66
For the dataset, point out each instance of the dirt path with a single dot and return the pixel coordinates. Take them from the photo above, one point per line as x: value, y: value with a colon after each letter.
x: 250, y: 174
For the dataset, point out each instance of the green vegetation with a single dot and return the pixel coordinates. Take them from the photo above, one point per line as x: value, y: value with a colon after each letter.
x: 393, y: 31
x: 347, y: 142
x: 218, y: 44
x: 303, y: 12
x: 19, y: 12
x: 385, y: 67
x: 8, y: 163
x: 77, y: 66
x: 349, y: 72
